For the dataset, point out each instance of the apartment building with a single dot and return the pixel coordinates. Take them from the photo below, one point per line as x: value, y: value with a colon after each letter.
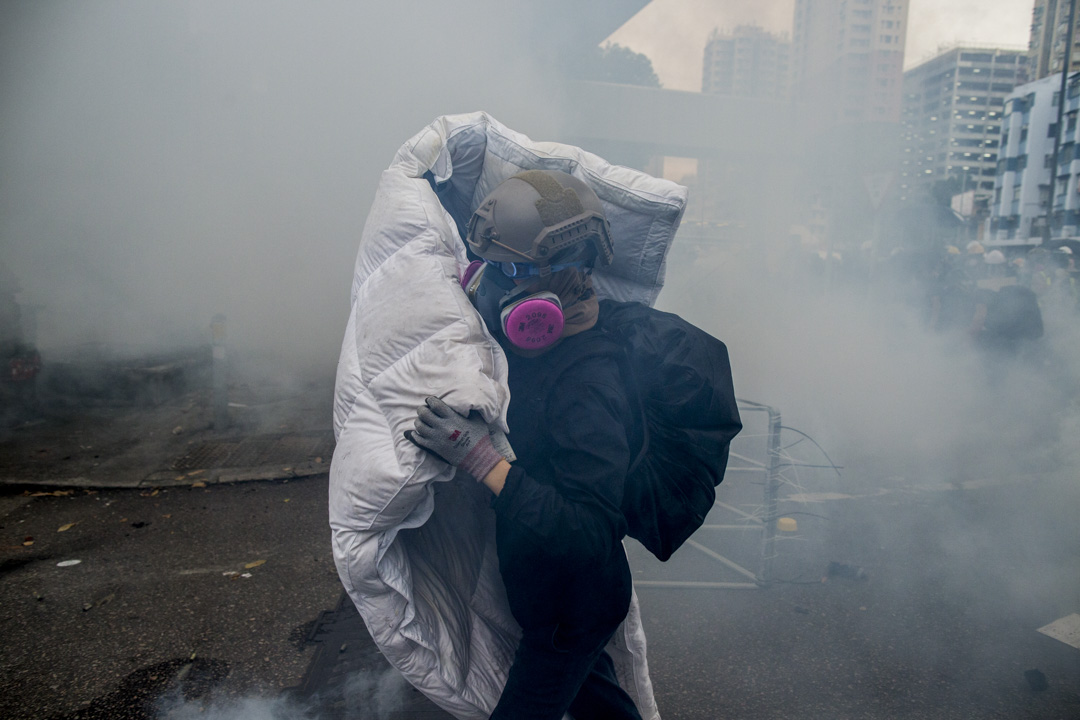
x: 748, y: 62
x: 1022, y: 186
x: 1049, y: 31
x: 848, y: 57
x: 953, y: 106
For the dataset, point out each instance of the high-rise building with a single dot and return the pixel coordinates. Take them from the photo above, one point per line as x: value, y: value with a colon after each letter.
x: 952, y: 111
x: 1049, y: 30
x: 748, y: 62
x: 1021, y: 198
x: 848, y: 57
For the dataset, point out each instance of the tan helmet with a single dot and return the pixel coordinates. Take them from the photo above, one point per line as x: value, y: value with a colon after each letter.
x: 974, y: 248
x: 543, y: 218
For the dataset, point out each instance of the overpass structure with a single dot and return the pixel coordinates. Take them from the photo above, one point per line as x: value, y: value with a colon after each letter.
x: 609, y: 118
x: 762, y: 166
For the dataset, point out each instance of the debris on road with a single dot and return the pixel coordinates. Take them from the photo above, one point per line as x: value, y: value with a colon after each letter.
x: 1036, y: 680
x: 845, y: 572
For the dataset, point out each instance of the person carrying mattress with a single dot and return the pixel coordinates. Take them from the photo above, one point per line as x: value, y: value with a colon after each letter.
x: 575, y: 430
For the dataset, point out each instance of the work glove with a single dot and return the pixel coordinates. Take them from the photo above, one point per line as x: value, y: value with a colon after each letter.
x: 467, y: 443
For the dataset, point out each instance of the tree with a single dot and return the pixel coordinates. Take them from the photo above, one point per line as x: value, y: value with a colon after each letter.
x: 942, y: 191
x: 617, y: 64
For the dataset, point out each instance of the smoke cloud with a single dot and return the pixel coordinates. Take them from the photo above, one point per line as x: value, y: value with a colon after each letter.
x: 856, y: 367
x: 371, y: 694
x: 169, y: 161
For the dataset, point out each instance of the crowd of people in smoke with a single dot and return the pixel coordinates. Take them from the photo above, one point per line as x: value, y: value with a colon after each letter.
x: 1010, y: 303
x: 997, y: 298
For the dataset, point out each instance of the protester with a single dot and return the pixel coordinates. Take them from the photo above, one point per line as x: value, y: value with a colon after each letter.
x: 559, y: 525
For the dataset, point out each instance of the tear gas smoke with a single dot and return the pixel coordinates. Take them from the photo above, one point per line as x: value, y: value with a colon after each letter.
x: 167, y: 162
x: 164, y: 162
x: 861, y: 373
x: 374, y: 694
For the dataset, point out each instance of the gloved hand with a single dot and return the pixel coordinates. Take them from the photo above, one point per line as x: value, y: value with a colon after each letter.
x: 464, y: 442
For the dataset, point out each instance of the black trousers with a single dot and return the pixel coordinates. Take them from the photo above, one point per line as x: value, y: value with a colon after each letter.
x: 554, y: 673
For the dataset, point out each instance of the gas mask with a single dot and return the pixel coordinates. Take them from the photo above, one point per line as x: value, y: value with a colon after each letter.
x: 530, y: 320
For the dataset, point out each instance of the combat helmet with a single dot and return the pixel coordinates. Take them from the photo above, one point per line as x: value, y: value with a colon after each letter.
x: 541, y: 219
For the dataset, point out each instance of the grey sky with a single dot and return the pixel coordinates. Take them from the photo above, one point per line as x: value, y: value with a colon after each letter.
x: 673, y: 32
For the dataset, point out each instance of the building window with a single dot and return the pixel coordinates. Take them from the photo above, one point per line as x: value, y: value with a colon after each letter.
x: 1051, y: 130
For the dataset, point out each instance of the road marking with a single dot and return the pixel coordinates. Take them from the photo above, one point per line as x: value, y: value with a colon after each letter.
x: 914, y: 489
x: 1066, y: 629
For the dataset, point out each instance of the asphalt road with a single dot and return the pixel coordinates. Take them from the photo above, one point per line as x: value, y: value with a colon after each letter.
x: 221, y: 585
x: 189, y: 598
x: 940, y: 624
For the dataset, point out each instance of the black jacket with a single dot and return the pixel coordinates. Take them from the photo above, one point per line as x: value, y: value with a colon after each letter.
x: 558, y: 523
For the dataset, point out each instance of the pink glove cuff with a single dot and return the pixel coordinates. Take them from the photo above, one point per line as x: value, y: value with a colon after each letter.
x: 481, y: 459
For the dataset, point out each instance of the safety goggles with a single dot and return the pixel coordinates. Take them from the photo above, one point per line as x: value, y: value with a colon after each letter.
x: 519, y: 270
x: 579, y: 255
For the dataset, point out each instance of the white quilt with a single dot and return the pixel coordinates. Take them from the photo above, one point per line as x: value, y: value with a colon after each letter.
x: 415, y: 549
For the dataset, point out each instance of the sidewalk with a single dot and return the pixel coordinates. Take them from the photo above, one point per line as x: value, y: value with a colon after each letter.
x: 280, y: 428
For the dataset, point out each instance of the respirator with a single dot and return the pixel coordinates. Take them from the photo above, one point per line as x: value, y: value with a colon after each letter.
x: 530, y: 320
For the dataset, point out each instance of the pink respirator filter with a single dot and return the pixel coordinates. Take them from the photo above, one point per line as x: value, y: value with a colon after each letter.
x: 470, y: 273
x: 535, y: 322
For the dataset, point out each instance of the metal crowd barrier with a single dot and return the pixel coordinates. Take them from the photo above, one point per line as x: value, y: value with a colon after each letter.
x: 743, y: 468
